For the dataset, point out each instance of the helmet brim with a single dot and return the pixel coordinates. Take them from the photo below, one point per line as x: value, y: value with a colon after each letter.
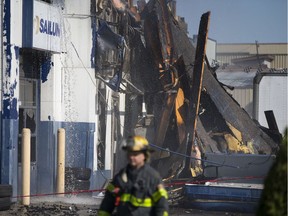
x: 131, y: 149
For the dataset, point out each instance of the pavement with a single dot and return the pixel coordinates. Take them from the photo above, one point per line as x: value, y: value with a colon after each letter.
x: 87, y: 206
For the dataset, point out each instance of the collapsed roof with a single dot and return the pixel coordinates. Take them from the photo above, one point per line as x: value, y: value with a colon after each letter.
x: 161, y: 62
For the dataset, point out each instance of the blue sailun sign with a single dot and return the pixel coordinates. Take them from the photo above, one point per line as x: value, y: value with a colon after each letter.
x: 42, y: 23
x: 47, y: 27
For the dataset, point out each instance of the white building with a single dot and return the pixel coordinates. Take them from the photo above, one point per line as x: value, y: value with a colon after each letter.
x: 48, y: 82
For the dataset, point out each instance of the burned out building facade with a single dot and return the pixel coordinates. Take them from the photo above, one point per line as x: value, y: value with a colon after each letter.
x: 116, y: 69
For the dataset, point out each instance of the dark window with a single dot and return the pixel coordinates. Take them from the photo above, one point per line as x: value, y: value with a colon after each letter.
x: 30, y: 67
x: 31, y: 62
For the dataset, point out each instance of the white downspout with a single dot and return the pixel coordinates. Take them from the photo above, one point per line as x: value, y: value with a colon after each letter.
x: 109, y: 135
x: 96, y: 132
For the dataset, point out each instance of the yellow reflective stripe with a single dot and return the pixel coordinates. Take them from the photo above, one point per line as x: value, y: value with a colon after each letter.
x: 165, y: 213
x: 110, y: 187
x: 103, y: 213
x: 160, y: 193
x: 138, y: 202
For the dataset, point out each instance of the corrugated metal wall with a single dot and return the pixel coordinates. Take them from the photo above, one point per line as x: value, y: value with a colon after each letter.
x: 244, y: 97
x: 226, y: 52
x: 225, y: 58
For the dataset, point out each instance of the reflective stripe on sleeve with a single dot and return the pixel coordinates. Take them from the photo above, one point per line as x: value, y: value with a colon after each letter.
x: 158, y: 194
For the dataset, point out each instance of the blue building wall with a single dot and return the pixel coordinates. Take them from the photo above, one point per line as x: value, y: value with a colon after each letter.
x: 9, y: 152
x: 79, y: 150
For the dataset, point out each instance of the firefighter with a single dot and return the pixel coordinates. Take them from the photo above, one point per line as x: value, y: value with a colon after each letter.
x: 137, y: 189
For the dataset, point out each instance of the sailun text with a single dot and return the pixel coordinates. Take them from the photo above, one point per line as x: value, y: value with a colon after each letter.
x: 49, y: 27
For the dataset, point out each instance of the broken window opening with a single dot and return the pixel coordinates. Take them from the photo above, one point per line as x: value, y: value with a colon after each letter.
x: 30, y: 62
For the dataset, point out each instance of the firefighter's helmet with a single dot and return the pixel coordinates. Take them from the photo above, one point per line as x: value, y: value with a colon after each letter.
x: 136, y: 143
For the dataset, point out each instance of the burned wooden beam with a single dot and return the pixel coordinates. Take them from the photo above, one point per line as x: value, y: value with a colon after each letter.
x: 196, y: 88
x: 272, y: 124
x: 165, y: 32
x: 159, y: 41
x: 164, y: 121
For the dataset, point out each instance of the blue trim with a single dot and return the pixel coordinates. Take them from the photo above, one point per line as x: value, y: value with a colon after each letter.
x: 27, y: 23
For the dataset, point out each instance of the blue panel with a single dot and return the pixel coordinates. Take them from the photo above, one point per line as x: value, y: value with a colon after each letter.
x: 9, y: 153
x: 79, y: 150
x: 222, y: 198
x: 46, y: 156
x: 223, y: 206
x: 77, y: 143
x: 222, y: 193
x: 98, y: 180
x: 27, y: 23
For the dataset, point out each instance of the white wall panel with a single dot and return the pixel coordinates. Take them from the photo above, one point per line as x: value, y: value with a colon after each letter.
x: 77, y: 33
x: 69, y: 93
x: 51, y: 93
x: 273, y: 96
x: 78, y: 95
x: 16, y: 22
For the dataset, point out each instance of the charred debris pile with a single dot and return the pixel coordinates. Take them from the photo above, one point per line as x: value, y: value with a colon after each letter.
x: 189, y: 118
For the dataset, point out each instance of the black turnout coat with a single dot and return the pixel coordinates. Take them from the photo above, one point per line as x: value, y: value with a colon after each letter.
x: 135, y: 192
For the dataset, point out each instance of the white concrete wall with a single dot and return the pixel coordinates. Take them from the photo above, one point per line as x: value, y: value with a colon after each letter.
x: 51, y: 93
x: 211, y: 50
x: 16, y: 22
x: 109, y: 131
x: 77, y: 30
x: 69, y: 92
